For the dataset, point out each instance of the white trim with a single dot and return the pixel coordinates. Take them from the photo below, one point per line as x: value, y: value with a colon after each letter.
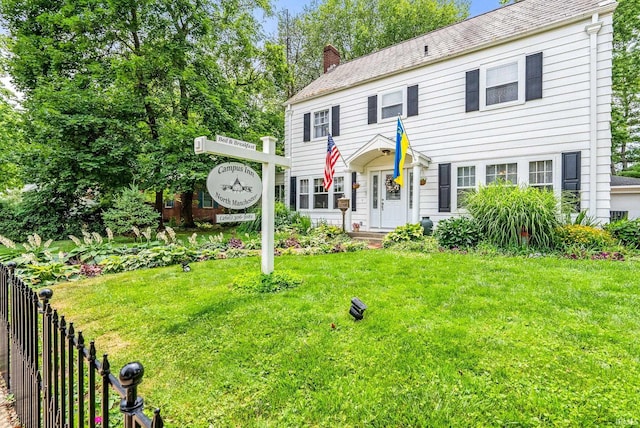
x: 403, y: 94
x: 311, y: 193
x: 593, y: 30
x: 520, y: 60
x: 632, y: 189
x: 313, y: 124
x: 523, y: 173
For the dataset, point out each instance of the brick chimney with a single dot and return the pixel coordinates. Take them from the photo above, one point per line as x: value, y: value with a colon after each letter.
x: 331, y: 57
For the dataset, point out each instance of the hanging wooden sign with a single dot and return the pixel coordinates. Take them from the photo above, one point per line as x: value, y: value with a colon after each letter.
x: 234, y: 185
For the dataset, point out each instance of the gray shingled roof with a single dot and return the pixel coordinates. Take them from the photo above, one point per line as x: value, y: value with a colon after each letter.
x: 526, y: 16
x: 618, y: 180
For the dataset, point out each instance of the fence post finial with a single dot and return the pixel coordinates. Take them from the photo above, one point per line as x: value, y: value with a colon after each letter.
x: 130, y: 377
x: 45, y: 295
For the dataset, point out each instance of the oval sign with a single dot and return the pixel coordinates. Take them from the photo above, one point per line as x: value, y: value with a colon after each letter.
x: 234, y: 185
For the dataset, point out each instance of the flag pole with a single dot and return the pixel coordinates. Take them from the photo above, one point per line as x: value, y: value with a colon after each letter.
x: 413, y: 153
x: 339, y: 152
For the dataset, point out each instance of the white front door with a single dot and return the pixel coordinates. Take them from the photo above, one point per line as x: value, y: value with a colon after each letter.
x: 389, y: 207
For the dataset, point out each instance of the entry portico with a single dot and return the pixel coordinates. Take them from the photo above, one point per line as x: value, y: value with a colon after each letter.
x: 388, y: 205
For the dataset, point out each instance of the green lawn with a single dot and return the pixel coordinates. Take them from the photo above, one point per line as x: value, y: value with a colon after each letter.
x: 448, y: 340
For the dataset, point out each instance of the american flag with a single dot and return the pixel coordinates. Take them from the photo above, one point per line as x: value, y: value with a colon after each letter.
x: 330, y: 163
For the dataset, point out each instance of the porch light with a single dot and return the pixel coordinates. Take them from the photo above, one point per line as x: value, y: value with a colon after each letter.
x: 357, y: 308
x: 385, y: 152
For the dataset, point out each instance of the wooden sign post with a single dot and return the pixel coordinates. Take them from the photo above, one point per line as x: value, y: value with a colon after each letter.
x: 243, y: 150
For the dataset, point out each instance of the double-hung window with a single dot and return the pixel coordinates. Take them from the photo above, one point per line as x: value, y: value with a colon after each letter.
x: 206, y: 201
x: 304, y: 194
x: 541, y: 174
x: 504, y: 171
x: 391, y: 104
x: 502, y: 84
x: 321, y: 123
x: 320, y: 195
x: 466, y: 183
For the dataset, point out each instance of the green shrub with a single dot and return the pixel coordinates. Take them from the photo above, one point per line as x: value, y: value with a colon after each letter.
x: 626, y: 231
x: 284, y: 219
x: 504, y: 211
x: 46, y: 213
x: 130, y: 210
x: 458, y: 232
x: 589, y: 238
x: 406, y: 233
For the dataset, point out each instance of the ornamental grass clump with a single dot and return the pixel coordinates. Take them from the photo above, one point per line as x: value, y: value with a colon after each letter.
x: 511, y: 215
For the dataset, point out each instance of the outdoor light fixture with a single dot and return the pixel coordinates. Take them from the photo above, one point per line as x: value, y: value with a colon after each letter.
x: 186, y: 267
x: 386, y: 152
x: 357, y: 308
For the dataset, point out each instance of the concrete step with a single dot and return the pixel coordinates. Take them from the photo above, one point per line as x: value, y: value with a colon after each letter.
x: 374, y: 238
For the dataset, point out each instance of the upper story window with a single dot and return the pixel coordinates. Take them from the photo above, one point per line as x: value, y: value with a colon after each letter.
x: 502, y: 84
x: 321, y: 124
x: 391, y: 104
x: 506, y: 83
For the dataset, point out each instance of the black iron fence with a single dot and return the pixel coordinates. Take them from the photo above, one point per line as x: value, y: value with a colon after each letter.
x: 56, y: 379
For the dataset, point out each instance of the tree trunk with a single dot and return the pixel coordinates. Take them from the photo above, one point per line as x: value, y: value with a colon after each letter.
x: 159, y: 205
x: 187, y: 209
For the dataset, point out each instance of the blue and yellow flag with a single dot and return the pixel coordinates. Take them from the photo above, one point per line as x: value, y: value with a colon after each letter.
x: 402, y: 145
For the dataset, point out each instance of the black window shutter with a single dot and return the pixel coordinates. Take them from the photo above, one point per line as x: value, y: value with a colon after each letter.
x: 293, y: 196
x: 473, y: 90
x: 353, y: 192
x: 444, y: 188
x: 335, y: 121
x: 534, y: 77
x: 307, y: 127
x: 200, y: 199
x: 571, y: 175
x: 412, y: 100
x: 373, y: 109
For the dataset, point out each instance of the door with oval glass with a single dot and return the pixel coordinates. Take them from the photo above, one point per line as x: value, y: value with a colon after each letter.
x: 388, y: 201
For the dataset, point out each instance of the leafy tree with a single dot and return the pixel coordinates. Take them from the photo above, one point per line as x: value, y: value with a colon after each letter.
x: 372, y: 25
x: 11, y: 142
x: 625, y: 125
x: 77, y: 122
x: 633, y: 171
x: 119, y: 90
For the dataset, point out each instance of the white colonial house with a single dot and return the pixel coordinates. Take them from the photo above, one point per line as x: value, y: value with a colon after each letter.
x: 522, y: 93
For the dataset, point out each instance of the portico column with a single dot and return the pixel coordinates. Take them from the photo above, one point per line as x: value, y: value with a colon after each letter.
x: 347, y: 194
x: 415, y: 215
